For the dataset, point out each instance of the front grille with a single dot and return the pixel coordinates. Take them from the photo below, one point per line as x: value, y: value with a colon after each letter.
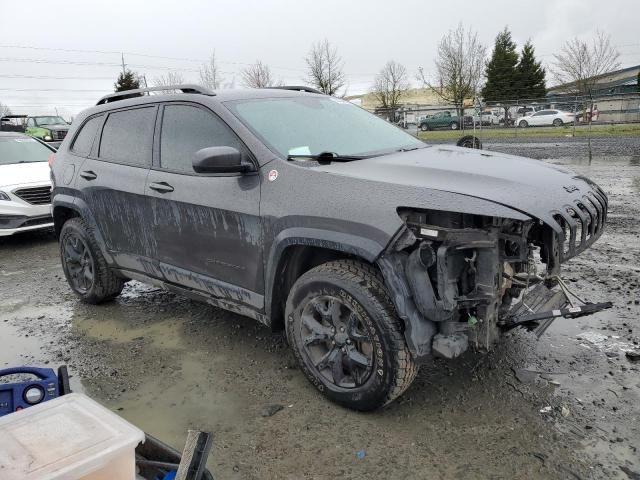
x: 59, y: 134
x: 582, y: 223
x: 35, y: 195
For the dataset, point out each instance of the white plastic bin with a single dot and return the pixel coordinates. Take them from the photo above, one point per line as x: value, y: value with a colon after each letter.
x: 68, y: 438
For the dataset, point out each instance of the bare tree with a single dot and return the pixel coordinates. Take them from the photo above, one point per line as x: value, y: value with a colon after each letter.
x: 459, y: 67
x: 171, y: 78
x: 325, y: 68
x: 4, y: 110
x: 389, y: 85
x: 258, y: 75
x: 578, y: 65
x: 210, y: 74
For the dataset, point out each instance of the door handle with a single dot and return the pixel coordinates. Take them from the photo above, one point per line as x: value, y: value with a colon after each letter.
x: 88, y: 175
x: 162, y: 187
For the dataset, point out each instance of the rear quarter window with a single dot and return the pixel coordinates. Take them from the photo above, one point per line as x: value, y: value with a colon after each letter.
x: 127, y: 137
x: 86, y: 136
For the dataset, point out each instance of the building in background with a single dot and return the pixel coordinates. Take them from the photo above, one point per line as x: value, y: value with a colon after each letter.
x: 620, y: 81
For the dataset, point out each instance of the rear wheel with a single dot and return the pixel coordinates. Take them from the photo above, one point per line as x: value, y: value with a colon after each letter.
x: 523, y: 124
x: 84, y: 266
x: 347, y: 337
x: 557, y: 122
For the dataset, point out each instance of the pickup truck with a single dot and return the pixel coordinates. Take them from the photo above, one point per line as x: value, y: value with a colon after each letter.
x: 442, y: 120
x: 50, y: 129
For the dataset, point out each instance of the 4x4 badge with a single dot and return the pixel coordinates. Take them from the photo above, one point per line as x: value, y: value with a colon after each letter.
x: 570, y: 188
x: 273, y: 174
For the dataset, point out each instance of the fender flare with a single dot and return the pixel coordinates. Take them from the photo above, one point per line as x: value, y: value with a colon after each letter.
x: 82, y: 209
x: 362, y: 247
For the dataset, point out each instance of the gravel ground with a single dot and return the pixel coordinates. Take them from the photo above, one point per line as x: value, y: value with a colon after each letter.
x: 564, y: 406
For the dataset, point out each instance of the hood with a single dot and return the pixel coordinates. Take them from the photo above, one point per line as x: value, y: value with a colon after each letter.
x: 24, y: 173
x: 56, y: 126
x: 532, y: 187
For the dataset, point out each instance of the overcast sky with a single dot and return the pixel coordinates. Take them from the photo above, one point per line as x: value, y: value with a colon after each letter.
x: 278, y: 32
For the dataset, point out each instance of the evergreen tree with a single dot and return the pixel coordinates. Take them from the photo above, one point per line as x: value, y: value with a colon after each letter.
x: 126, y: 81
x: 531, y: 76
x: 501, y: 70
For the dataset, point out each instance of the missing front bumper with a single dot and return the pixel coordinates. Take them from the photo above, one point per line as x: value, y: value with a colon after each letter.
x: 541, y: 306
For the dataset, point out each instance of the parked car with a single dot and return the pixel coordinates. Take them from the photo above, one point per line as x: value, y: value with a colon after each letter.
x: 13, y: 123
x: 557, y: 118
x: 50, y: 129
x: 25, y: 187
x: 372, y: 250
x: 441, y: 120
x: 487, y: 118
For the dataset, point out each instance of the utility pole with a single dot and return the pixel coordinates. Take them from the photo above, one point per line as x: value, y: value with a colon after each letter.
x: 123, y: 65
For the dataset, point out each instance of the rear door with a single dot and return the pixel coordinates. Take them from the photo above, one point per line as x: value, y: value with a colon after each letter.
x: 206, y: 227
x: 111, y: 183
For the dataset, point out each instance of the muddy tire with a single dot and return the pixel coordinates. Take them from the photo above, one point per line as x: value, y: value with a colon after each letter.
x: 84, y: 266
x: 346, y: 336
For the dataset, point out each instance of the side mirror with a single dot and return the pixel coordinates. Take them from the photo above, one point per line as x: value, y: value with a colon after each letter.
x: 219, y: 160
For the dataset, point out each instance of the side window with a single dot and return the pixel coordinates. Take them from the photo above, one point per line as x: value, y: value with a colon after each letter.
x: 84, y: 140
x: 30, y: 122
x: 187, y: 129
x: 127, y: 136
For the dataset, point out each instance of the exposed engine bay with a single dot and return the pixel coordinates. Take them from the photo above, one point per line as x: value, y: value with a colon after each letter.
x: 460, y: 280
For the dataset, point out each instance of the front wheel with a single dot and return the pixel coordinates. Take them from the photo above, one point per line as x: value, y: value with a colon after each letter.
x: 454, y: 126
x: 557, y: 122
x: 424, y: 127
x: 85, y: 268
x: 523, y: 124
x: 346, y: 336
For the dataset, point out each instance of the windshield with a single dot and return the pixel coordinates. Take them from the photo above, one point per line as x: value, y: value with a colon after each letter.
x: 49, y: 120
x: 22, y: 150
x: 310, y: 125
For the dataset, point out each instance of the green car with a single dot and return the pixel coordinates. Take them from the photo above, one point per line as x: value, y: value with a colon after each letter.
x: 50, y: 129
x: 440, y: 120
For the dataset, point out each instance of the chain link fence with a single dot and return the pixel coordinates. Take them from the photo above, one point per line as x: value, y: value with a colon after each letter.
x: 559, y: 126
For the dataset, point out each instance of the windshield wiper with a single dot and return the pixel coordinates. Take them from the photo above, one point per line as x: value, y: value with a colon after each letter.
x: 325, y: 158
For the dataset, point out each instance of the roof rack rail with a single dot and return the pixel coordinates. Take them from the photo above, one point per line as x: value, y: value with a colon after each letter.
x: 297, y: 88
x: 139, y: 92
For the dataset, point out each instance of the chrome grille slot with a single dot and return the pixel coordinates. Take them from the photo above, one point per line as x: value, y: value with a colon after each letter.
x: 35, y: 195
x: 582, y: 223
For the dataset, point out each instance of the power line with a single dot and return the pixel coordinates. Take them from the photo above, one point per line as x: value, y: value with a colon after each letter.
x: 51, y: 77
x: 114, y: 52
x: 51, y: 90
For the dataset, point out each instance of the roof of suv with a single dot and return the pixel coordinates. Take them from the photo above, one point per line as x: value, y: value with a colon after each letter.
x: 217, y: 96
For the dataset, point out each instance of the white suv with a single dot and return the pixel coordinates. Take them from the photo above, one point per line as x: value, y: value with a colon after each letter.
x: 25, y: 185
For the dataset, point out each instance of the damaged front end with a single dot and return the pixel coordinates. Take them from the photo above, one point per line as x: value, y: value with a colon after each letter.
x: 460, y: 279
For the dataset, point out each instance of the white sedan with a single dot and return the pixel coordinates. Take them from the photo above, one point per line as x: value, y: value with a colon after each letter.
x: 543, y: 118
x: 25, y: 185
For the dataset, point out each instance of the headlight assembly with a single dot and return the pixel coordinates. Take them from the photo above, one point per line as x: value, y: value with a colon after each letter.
x: 48, y: 138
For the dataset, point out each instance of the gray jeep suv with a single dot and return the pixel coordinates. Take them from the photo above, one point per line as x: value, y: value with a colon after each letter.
x: 373, y: 250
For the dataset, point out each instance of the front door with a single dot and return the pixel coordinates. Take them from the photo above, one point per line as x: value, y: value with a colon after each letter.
x: 206, y: 228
